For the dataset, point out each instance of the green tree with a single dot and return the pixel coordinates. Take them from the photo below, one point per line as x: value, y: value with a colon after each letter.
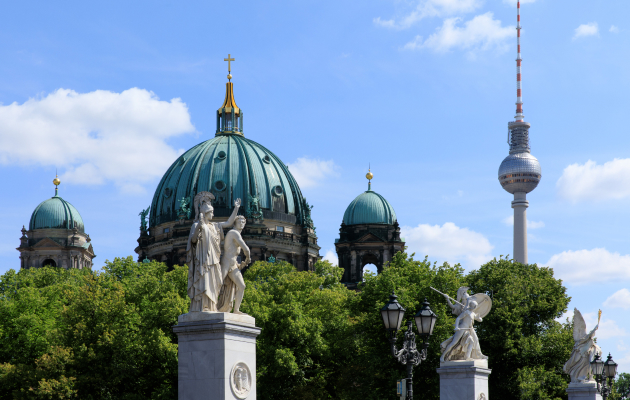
x: 526, y: 347
x: 305, y: 320
x: 91, y: 335
x: 372, y: 372
x: 621, y: 387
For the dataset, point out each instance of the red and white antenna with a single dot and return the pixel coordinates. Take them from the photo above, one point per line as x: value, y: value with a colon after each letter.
x: 519, y: 97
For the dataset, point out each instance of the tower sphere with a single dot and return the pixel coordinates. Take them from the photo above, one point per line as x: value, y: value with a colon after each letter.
x: 519, y: 172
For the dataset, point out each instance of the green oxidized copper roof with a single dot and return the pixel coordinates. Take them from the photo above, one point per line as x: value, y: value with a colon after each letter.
x: 369, y: 208
x: 230, y: 166
x: 56, y: 213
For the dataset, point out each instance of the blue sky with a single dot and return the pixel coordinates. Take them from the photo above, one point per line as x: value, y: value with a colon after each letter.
x: 422, y: 90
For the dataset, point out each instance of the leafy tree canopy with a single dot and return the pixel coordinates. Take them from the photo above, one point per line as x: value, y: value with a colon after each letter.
x: 82, y: 334
x: 107, y: 335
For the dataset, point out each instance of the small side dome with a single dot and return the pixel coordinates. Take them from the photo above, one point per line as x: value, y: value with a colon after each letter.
x: 369, y: 208
x: 56, y: 213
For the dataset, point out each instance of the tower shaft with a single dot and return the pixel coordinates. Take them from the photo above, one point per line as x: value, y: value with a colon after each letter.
x: 520, y: 205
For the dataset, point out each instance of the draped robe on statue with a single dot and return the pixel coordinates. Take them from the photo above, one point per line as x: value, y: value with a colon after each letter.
x: 204, y: 266
x: 584, y: 350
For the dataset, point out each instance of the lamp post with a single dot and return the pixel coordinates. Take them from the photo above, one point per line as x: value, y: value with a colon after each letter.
x: 393, y: 314
x: 604, y: 373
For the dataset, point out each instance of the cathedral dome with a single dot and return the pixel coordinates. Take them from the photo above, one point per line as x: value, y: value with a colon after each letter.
x: 369, y: 208
x: 56, y: 213
x: 231, y: 167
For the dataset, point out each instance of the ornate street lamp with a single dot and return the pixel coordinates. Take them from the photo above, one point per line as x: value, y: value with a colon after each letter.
x: 604, y: 373
x: 393, y: 314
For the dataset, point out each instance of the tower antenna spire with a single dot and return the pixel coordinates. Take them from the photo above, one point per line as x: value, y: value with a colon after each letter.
x: 519, y: 94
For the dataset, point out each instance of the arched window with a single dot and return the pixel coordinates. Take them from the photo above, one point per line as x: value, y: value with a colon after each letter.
x: 370, y: 268
x: 49, y: 262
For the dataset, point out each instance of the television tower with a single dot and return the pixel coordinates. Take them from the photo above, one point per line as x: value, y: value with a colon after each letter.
x: 519, y: 172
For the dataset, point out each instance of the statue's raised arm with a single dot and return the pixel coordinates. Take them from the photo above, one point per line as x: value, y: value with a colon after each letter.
x: 230, y: 221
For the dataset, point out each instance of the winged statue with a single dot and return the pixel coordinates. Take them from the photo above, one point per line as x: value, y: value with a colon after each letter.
x: 464, y: 344
x: 584, y: 349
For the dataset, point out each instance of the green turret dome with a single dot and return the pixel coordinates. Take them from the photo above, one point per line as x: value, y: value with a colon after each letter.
x: 369, y: 208
x: 56, y: 213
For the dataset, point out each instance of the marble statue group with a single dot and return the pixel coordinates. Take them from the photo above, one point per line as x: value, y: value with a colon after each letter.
x: 464, y: 344
x: 584, y: 350
x: 215, y: 283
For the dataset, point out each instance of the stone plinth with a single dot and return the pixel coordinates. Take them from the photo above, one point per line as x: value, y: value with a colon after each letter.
x: 217, y: 356
x: 464, y: 380
x: 583, y: 391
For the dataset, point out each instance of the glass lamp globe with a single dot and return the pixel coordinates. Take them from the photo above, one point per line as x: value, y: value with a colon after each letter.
x: 392, y: 314
x: 597, y: 365
x: 425, y: 320
x: 610, y: 367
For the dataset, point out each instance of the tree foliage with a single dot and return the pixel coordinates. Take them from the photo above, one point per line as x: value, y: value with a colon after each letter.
x: 305, y: 321
x: 526, y: 347
x: 621, y: 387
x: 80, y: 334
x: 108, y: 335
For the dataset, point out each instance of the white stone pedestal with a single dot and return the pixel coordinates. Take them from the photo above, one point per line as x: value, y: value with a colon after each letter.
x: 583, y: 391
x: 464, y: 380
x: 217, y: 356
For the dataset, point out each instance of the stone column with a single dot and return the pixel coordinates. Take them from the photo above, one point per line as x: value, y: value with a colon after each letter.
x: 520, y: 205
x: 353, y: 265
x: 217, y: 356
x: 464, y: 380
x: 583, y: 391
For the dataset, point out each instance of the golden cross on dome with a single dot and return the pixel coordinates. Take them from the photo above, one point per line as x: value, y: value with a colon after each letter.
x: 229, y: 60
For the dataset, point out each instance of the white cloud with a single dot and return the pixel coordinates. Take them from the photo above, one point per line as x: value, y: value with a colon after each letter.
x: 530, y: 224
x: 331, y: 255
x: 448, y: 243
x: 624, y: 360
x: 568, y: 314
x: 97, y: 137
x: 619, y: 299
x: 430, y: 8
x: 613, y: 29
x: 595, y: 182
x: 590, y: 266
x: 608, y: 328
x: 483, y: 32
x: 590, y: 29
x: 310, y: 172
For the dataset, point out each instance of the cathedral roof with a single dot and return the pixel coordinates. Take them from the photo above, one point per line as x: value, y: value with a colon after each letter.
x: 369, y: 208
x: 56, y: 213
x: 231, y: 167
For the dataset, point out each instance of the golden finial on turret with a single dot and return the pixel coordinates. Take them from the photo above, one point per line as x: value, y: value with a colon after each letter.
x: 56, y: 182
x: 229, y: 59
x: 369, y: 177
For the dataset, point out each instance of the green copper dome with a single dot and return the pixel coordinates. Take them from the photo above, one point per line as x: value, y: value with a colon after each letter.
x: 56, y: 213
x: 369, y: 208
x: 231, y: 167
